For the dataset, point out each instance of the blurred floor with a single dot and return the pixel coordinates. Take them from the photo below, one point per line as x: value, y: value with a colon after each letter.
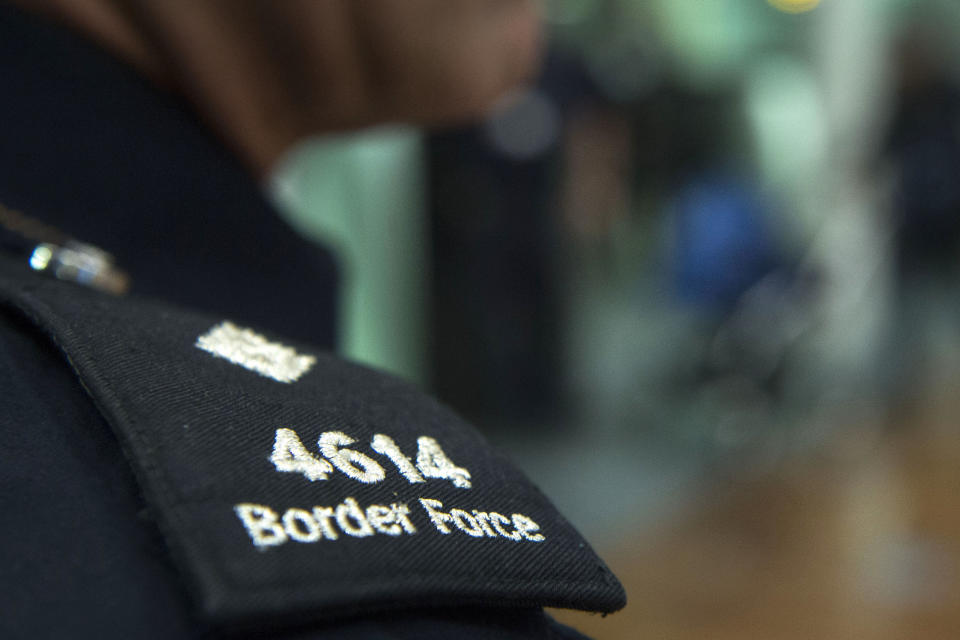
x: 609, y: 487
x: 860, y: 539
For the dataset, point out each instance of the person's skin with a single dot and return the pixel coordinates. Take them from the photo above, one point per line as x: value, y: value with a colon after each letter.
x: 266, y: 73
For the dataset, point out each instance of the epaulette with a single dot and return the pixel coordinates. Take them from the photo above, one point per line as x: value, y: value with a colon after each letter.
x: 291, y: 484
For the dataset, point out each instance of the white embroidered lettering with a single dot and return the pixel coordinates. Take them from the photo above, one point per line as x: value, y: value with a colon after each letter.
x: 483, y: 519
x: 294, y: 519
x: 527, y: 528
x: 401, y: 513
x: 385, y: 446
x: 482, y: 524
x: 352, y: 520
x: 381, y: 518
x: 346, y: 460
x: 323, y: 516
x: 496, y: 519
x: 261, y: 523
x: 255, y: 353
x: 267, y: 529
x: 437, y: 517
x: 434, y: 463
x: 289, y: 455
x: 466, y: 523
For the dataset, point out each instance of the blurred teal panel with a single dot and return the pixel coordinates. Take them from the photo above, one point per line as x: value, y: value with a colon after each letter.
x: 362, y: 195
x: 710, y: 38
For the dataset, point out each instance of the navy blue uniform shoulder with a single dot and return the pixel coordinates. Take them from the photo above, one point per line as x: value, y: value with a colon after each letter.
x: 174, y: 474
x: 91, y: 147
x: 215, y: 478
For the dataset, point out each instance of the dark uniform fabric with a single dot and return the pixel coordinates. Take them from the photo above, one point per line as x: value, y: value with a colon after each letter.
x: 88, y: 146
x: 197, y: 431
x: 131, y: 457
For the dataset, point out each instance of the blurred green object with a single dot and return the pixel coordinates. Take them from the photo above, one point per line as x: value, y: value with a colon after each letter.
x: 362, y: 195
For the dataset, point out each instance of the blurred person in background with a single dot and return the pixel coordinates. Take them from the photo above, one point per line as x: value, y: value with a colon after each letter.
x: 922, y: 145
x: 143, y: 128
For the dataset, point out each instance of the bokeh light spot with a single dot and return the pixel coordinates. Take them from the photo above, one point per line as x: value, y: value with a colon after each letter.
x: 794, y: 6
x: 525, y: 125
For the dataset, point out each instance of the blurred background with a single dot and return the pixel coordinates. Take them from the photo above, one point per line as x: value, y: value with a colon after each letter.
x: 702, y: 281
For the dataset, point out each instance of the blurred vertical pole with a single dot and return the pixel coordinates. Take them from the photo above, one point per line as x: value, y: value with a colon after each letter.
x: 852, y: 247
x: 362, y: 196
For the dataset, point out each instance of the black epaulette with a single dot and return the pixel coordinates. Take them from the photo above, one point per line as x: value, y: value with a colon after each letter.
x: 291, y: 484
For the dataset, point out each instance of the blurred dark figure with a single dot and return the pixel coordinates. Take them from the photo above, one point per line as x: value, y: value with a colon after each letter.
x: 722, y: 242
x: 494, y: 232
x: 922, y: 145
x: 727, y: 265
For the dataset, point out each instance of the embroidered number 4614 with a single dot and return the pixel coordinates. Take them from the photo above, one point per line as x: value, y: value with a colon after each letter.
x: 291, y: 456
